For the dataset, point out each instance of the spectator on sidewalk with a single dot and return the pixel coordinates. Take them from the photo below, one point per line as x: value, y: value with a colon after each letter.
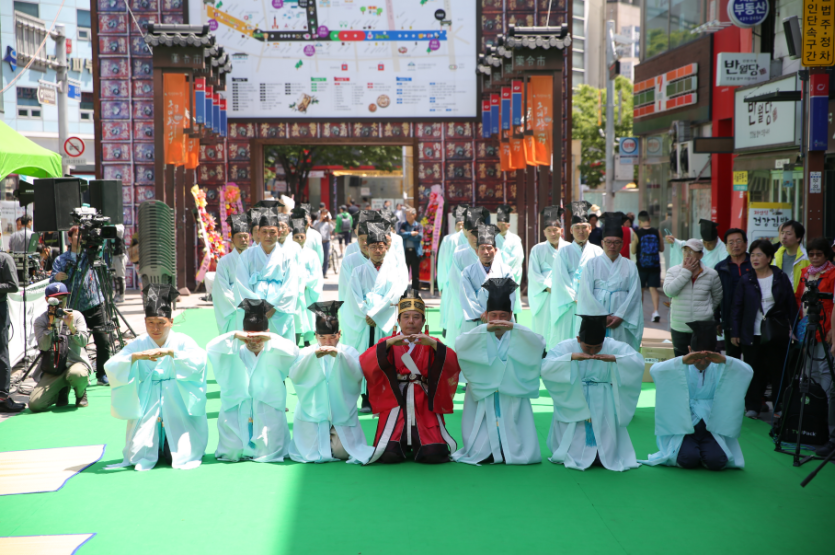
x: 695, y: 293
x: 325, y: 227
x: 596, y: 234
x: 8, y: 284
x: 730, y: 271
x: 647, y: 249
x: 344, y: 224
x: 629, y: 237
x: 19, y: 241
x: 763, y: 310
x: 791, y: 257
x: 411, y: 231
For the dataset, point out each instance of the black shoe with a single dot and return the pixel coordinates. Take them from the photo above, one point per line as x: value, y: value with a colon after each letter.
x: 63, y: 397
x: 103, y: 381
x: 10, y: 406
x: 366, y: 406
x: 82, y: 402
x: 825, y: 450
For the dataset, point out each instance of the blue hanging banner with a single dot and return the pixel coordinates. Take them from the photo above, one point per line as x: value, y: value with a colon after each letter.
x: 485, y: 119
x: 200, y: 100
x: 209, y: 111
x: 505, y: 108
x: 222, y: 117
x: 818, y: 111
x: 495, y: 99
x: 516, y: 102
x: 216, y: 112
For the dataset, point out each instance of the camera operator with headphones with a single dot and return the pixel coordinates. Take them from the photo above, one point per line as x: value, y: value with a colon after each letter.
x: 62, y: 338
x: 90, y: 301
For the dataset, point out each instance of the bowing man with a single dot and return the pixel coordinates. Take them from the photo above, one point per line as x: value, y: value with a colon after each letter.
x: 699, y: 405
x: 158, y: 384
x: 412, y: 379
x: 513, y: 253
x: 595, y: 382
x: 449, y: 245
x: 461, y: 258
x: 225, y: 295
x: 313, y: 239
x: 568, y: 269
x: 490, y: 265
x: 610, y: 287
x: 327, y: 378
x: 268, y: 272
x: 356, y: 246
x: 540, y: 270
x: 310, y: 288
x: 250, y: 367
x: 501, y: 361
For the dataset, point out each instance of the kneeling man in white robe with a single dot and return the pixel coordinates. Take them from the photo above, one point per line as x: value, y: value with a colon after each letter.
x: 250, y: 367
x: 501, y: 361
x: 595, y: 382
x: 158, y: 384
x: 327, y: 378
x: 699, y: 405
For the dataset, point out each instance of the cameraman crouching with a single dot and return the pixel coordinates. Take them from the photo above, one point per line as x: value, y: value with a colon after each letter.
x: 89, y: 299
x: 62, y: 339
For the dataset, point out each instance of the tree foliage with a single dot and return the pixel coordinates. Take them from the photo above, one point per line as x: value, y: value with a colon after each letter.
x: 296, y: 161
x: 589, y: 104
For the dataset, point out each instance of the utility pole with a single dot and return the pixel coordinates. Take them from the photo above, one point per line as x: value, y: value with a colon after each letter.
x: 611, y: 58
x: 61, y: 77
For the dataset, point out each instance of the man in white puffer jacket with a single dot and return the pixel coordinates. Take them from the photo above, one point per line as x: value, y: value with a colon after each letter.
x: 695, y: 291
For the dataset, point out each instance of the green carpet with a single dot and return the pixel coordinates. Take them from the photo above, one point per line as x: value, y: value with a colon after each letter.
x: 338, y: 508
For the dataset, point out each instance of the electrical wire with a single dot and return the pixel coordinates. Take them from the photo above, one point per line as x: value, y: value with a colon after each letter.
x: 38, y: 51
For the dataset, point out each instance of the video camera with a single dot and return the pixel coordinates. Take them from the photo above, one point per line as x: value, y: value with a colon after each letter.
x: 94, y: 228
x: 812, y: 295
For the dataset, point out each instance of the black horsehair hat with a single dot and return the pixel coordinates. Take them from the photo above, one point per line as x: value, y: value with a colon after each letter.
x: 500, y: 293
x: 460, y: 212
x: 551, y: 216
x: 255, y: 314
x: 269, y: 203
x: 474, y: 216
x: 377, y: 233
x: 487, y: 234
x: 503, y: 213
x: 580, y: 211
x: 592, y: 329
x: 709, y: 230
x: 327, y: 316
x: 613, y: 224
x: 704, y: 336
x: 158, y: 300
x: 298, y: 225
x: 238, y: 223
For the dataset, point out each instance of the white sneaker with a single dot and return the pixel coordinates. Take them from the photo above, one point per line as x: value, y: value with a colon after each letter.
x: 751, y: 414
x: 656, y: 317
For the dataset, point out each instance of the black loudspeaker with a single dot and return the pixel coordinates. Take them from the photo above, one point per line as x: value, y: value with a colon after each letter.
x: 354, y: 181
x: 55, y: 199
x: 106, y: 197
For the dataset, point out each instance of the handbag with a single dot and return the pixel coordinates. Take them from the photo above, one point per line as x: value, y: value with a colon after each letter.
x: 775, y: 326
x: 54, y: 361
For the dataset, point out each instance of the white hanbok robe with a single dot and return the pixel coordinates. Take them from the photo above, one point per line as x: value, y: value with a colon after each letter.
x: 614, y: 288
x: 474, y: 296
x: 709, y: 258
x: 252, y: 423
x: 399, y: 251
x: 513, y: 254
x: 275, y: 279
x: 605, y: 392
x: 310, y: 272
x: 449, y: 245
x: 565, y: 284
x: 162, y: 399
x: 684, y: 396
x: 313, y: 241
x: 462, y: 258
x: 225, y: 296
x: 352, y: 247
x: 540, y: 270
x: 502, y: 378
x: 327, y: 389
x: 374, y: 294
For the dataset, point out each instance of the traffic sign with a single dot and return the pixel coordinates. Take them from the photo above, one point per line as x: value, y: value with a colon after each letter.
x: 74, y: 147
x: 818, y: 35
x: 47, y: 93
x: 73, y: 89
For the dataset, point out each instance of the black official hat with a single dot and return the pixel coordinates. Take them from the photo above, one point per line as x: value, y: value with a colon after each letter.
x: 365, y: 216
x: 613, y: 224
x: 377, y: 233
x: 327, y: 316
x: 158, y: 299
x: 255, y: 314
x: 308, y: 209
x: 460, y: 212
x: 268, y: 218
x: 298, y: 225
x: 238, y: 223
x: 580, y: 211
x: 475, y: 216
x: 254, y: 215
x: 551, y: 216
x: 487, y: 235
x: 592, y: 329
x: 269, y: 203
x: 709, y: 230
x: 500, y: 293
x: 503, y: 213
x: 704, y: 336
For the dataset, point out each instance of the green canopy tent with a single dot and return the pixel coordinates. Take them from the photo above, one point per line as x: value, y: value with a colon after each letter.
x: 21, y: 156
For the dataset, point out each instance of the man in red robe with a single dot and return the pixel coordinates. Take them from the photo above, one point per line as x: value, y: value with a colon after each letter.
x: 411, y: 381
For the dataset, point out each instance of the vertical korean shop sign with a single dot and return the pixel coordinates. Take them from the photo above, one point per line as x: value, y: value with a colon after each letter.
x: 818, y: 33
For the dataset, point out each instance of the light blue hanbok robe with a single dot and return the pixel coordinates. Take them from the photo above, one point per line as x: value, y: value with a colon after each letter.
x: 513, y: 254
x: 313, y: 241
x: 252, y: 423
x: 275, y: 279
x: 328, y: 389
x: 605, y: 392
x: 502, y: 378
x: 310, y: 272
x: 684, y: 396
x: 608, y: 287
x: 474, y: 296
x: 709, y: 259
x: 162, y: 399
x: 398, y: 250
x: 225, y: 296
x: 374, y: 294
x: 462, y: 258
x: 352, y: 247
x: 565, y: 285
x: 540, y: 269
x: 449, y: 245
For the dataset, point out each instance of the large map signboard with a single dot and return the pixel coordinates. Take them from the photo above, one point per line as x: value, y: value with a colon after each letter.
x: 346, y: 58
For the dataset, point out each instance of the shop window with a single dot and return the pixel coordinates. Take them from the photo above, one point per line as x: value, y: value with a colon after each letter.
x: 669, y: 24
x: 86, y: 106
x: 29, y: 8
x: 83, y: 21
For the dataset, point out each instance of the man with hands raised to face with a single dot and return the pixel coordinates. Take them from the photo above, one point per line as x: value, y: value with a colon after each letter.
x: 158, y: 384
x: 595, y: 382
x: 501, y: 361
x: 699, y: 407
x: 412, y: 379
x: 327, y: 378
x: 250, y: 367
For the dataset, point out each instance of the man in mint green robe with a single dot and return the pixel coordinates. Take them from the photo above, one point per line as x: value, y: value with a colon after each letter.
x: 540, y: 270
x: 311, y: 284
x: 449, y: 245
x: 513, y: 253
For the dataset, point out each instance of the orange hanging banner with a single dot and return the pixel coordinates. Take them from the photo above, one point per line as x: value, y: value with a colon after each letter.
x: 517, y: 153
x: 192, y: 151
x: 504, y: 157
x: 174, y: 94
x: 542, y: 87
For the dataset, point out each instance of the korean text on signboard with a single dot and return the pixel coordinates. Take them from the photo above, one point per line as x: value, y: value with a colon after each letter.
x: 747, y: 13
x: 765, y: 219
x: 735, y: 69
x: 818, y: 33
x: 762, y: 124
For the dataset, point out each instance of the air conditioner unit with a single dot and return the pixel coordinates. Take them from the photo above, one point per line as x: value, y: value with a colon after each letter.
x: 691, y: 164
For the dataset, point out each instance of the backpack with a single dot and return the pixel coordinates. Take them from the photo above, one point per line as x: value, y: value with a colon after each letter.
x: 648, y: 251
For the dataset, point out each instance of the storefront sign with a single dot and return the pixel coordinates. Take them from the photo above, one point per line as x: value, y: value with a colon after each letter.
x: 747, y: 13
x: 655, y: 146
x: 630, y: 150
x: 765, y: 219
x: 674, y: 89
x: 734, y: 69
x: 815, y: 179
x: 818, y: 34
x: 741, y: 181
x: 760, y: 125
